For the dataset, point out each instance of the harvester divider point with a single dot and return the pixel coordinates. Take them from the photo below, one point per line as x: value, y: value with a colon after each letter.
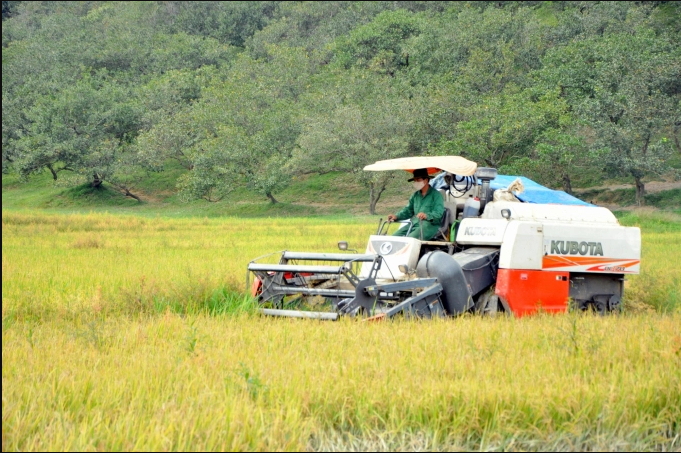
x: 323, y: 316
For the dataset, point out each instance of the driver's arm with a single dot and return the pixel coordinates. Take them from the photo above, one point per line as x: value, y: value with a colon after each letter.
x: 407, y: 212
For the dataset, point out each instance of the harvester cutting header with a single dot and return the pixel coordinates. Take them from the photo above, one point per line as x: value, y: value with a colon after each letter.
x: 502, y: 244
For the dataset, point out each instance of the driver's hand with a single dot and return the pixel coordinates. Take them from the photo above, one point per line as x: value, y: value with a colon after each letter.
x: 392, y: 218
x: 421, y: 216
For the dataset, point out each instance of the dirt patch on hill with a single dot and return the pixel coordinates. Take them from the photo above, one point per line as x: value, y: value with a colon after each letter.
x: 650, y: 187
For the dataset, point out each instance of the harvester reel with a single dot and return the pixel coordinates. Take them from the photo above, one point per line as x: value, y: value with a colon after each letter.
x: 300, y: 275
x: 267, y: 295
x: 362, y: 303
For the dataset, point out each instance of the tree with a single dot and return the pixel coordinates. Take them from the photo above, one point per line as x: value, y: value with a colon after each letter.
x: 626, y: 87
x: 8, y: 8
x: 481, y: 49
x: 169, y: 128
x: 213, y: 174
x: 244, y: 126
x: 78, y: 86
x: 363, y: 119
x: 228, y: 22
x: 227, y: 88
x: 502, y: 128
x: 559, y: 155
x: 378, y: 45
x: 88, y: 128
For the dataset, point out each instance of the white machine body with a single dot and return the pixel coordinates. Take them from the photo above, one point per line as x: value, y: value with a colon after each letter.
x: 395, y: 250
x: 555, y: 237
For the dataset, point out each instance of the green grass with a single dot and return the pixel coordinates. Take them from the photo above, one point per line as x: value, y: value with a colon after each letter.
x: 651, y: 222
x: 666, y: 199
x: 309, y: 195
x: 333, y: 193
x: 660, y: 286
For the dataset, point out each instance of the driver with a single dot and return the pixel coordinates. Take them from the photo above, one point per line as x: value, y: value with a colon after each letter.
x: 426, y: 203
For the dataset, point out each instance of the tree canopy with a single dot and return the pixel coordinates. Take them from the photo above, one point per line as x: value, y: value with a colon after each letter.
x: 254, y: 93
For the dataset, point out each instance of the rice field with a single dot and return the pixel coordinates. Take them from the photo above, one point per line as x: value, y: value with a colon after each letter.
x: 133, y: 333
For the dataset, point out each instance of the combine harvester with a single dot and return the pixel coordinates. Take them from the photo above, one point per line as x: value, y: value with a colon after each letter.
x: 505, y: 244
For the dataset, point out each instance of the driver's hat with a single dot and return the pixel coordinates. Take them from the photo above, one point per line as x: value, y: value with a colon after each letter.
x: 420, y: 173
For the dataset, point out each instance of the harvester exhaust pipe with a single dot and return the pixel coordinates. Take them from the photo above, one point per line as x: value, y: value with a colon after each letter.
x: 485, y: 174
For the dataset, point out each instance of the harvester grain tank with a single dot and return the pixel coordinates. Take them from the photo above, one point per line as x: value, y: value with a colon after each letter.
x: 505, y: 244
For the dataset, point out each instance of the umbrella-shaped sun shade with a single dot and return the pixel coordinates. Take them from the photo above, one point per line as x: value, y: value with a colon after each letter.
x: 453, y: 164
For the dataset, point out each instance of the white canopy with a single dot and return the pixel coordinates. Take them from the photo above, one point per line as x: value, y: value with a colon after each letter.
x: 453, y: 164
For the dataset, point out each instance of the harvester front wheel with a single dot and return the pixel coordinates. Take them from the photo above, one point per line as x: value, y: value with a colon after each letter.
x: 488, y: 303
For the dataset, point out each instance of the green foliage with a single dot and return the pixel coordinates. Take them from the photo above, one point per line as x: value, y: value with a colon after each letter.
x: 626, y: 88
x: 668, y: 199
x: 481, y: 49
x: 86, y: 128
x: 379, y: 45
x: 247, y: 95
x: 559, y: 155
x: 243, y: 129
x: 228, y: 22
x: 346, y: 133
x: 503, y: 128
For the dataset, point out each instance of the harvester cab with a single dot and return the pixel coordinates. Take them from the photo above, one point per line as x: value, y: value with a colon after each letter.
x: 505, y: 244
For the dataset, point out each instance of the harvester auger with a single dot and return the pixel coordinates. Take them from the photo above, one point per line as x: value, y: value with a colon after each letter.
x: 505, y: 244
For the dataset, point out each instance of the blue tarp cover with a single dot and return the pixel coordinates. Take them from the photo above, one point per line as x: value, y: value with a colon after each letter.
x: 534, y: 192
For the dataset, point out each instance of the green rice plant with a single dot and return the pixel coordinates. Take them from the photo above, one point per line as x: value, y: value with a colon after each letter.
x: 659, y: 284
x: 191, y: 338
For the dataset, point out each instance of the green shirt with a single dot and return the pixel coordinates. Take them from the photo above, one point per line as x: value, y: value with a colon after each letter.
x: 431, y: 205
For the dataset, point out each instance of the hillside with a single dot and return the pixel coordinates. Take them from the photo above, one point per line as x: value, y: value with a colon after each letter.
x: 234, y: 103
x: 310, y: 195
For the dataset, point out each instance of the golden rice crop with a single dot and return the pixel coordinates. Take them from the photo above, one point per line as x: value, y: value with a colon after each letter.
x: 102, y: 351
x: 72, y: 265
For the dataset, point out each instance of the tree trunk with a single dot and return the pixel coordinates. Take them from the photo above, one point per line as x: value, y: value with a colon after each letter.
x: 640, y: 190
x: 271, y: 197
x: 374, y: 196
x: 567, y: 184
x: 54, y: 173
x: 132, y: 195
x: 640, y: 187
x: 676, y: 137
